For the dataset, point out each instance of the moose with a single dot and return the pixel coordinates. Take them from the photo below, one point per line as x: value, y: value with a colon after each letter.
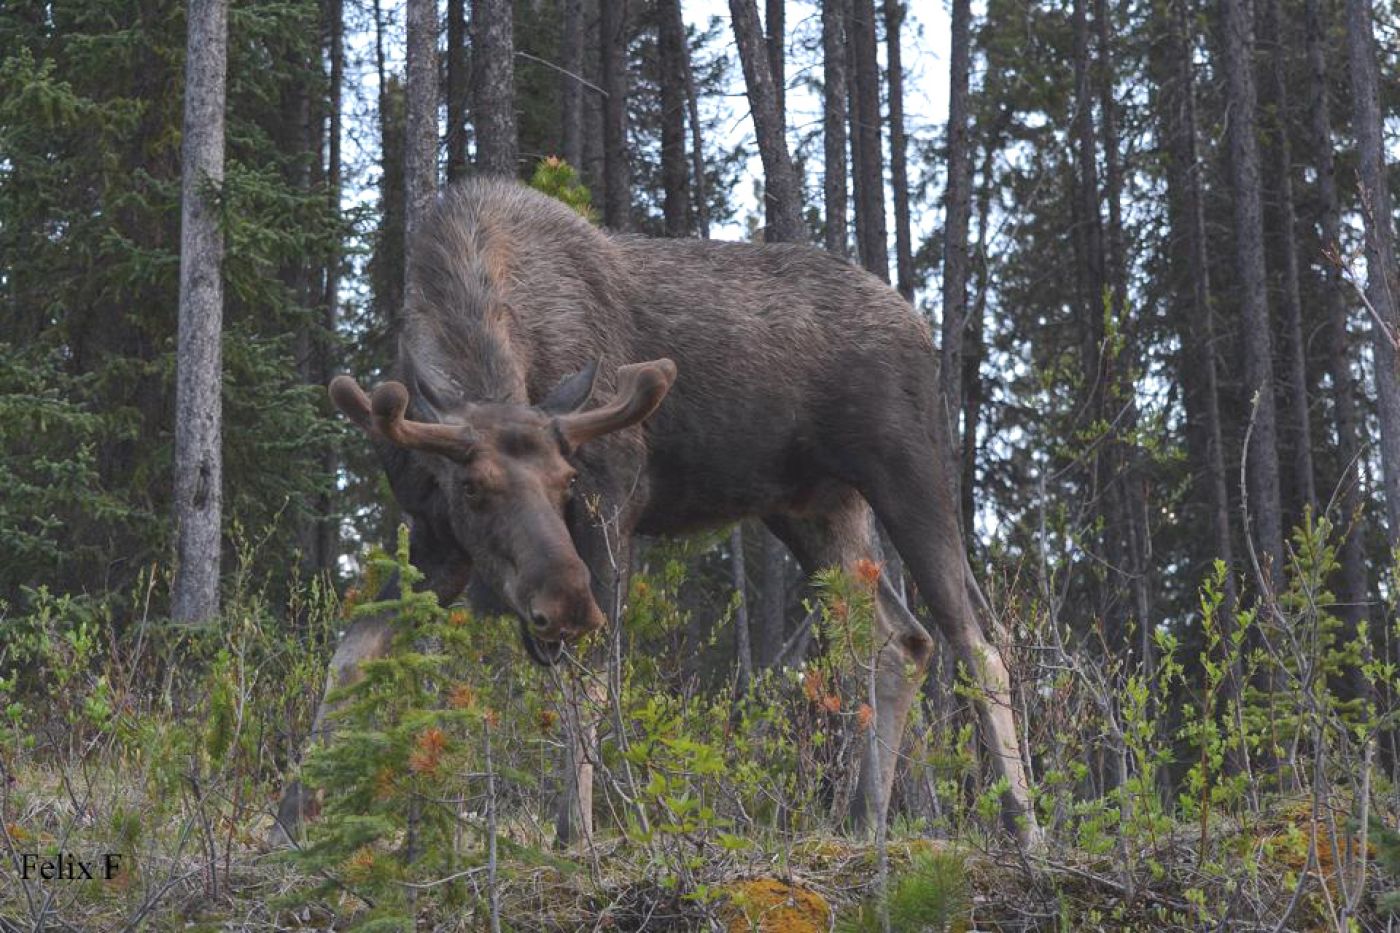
x: 560, y: 389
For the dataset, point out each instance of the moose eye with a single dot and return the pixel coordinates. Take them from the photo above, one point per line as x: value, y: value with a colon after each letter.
x: 471, y: 490
x: 573, y: 485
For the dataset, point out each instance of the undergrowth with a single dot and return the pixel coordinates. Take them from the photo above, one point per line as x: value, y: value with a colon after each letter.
x: 1265, y: 799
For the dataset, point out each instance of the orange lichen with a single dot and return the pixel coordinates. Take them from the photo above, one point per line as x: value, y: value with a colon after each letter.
x: 1291, y: 845
x: 864, y: 715
x: 458, y: 618
x: 832, y: 703
x: 767, y: 905
x: 812, y: 685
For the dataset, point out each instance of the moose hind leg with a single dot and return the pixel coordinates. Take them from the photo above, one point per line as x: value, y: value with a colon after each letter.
x: 912, y: 499
x: 367, y: 639
x: 840, y: 538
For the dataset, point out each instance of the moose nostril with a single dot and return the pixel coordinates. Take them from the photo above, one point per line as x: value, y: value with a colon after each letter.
x: 539, y: 622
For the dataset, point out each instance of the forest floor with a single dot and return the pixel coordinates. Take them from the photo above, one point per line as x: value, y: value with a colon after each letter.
x: 201, y: 870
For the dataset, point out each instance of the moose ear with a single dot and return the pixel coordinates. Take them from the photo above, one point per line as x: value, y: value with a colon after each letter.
x: 572, y: 392
x: 640, y: 389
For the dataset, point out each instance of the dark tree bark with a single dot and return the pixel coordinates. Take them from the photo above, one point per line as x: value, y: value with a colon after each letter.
x: 571, y: 87
x: 777, y: 59
x: 834, y: 94
x: 781, y: 193
x: 1198, y: 327
x: 1352, y: 592
x: 420, y: 119
x: 1090, y: 274
x: 973, y: 343
x: 456, y: 89
x: 1256, y: 332
x: 899, y: 169
x: 957, y: 205
x: 697, y: 148
x: 1286, y: 227
x: 742, y: 646
x: 671, y: 52
x: 594, y: 113
x: 387, y: 267
x: 199, y: 352
x: 493, y: 58
x: 1126, y: 505
x: 1380, y: 248
x: 617, y: 167
x: 1089, y: 221
x: 329, y: 526
x: 866, y: 150
x: 1115, y: 265
x: 769, y: 637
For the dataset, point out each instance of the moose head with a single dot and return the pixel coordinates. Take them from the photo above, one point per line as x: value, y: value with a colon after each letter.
x: 507, y: 472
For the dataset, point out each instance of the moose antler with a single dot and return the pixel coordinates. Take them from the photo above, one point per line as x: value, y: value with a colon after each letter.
x: 640, y: 389
x: 382, y: 414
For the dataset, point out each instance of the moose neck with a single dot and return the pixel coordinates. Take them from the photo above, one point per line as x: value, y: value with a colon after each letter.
x: 460, y: 334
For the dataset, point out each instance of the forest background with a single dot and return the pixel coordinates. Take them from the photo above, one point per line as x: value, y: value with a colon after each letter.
x: 1156, y: 239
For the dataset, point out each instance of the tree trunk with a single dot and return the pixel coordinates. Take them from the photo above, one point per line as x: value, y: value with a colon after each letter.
x: 777, y: 59
x: 899, y: 169
x: 1352, y: 592
x: 1089, y: 222
x: 493, y: 54
x: 594, y: 171
x: 1256, y: 331
x: 329, y: 535
x: 199, y: 365
x: 834, y: 125
x: 571, y: 82
x: 866, y: 150
x: 1198, y: 332
x: 772, y: 627
x: 617, y: 168
x: 671, y: 52
x: 420, y: 119
x: 973, y: 343
x: 697, y: 148
x: 1126, y: 497
x: 1286, y: 226
x: 1380, y: 248
x: 957, y: 206
x: 456, y: 89
x: 742, y: 646
x: 781, y: 193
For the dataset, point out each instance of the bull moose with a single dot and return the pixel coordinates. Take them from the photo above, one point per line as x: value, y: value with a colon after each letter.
x: 673, y: 385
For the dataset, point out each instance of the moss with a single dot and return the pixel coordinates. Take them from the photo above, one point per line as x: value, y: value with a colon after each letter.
x: 767, y: 905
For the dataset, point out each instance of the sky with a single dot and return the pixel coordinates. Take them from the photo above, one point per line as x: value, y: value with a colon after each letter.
x: 924, y: 49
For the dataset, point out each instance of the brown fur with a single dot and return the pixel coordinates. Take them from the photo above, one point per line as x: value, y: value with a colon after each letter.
x: 804, y: 388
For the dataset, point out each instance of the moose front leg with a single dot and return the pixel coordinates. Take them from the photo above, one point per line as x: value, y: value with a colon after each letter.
x: 368, y: 638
